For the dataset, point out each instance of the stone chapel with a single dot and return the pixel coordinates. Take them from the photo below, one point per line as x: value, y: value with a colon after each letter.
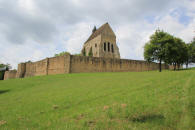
x: 101, y: 43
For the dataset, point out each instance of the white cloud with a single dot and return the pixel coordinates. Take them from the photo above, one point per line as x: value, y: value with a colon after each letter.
x: 172, y: 25
x: 33, y: 30
x: 76, y: 37
x: 27, y: 5
x: 17, y: 53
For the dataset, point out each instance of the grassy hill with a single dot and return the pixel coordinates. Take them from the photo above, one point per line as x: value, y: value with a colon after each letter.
x: 129, y: 100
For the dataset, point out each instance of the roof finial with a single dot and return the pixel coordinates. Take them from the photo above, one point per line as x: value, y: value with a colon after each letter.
x: 94, y: 29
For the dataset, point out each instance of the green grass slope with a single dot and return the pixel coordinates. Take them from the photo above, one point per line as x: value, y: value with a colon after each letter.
x: 129, y: 100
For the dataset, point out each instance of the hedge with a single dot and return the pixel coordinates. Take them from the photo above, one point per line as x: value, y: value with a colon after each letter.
x: 2, y: 75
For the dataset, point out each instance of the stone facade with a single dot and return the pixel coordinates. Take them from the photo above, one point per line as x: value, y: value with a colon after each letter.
x: 102, y: 42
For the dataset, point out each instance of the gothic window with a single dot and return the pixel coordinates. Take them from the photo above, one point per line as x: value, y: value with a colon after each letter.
x: 112, y: 47
x: 95, y: 45
x: 104, y: 46
x: 108, y: 46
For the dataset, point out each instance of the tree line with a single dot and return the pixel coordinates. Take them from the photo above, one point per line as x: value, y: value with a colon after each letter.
x: 65, y: 53
x: 3, y: 68
x: 166, y: 48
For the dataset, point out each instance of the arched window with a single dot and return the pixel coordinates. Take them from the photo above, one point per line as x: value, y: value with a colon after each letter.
x: 112, y: 47
x: 108, y: 46
x: 104, y: 46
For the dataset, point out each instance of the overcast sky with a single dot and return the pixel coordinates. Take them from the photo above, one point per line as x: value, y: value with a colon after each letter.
x: 36, y: 29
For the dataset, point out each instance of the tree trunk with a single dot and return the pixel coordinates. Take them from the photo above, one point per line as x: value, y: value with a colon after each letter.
x: 160, y: 69
x: 187, y: 65
x: 178, y: 66
x: 174, y: 66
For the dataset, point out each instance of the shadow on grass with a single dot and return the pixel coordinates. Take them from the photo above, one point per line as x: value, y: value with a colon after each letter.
x: 147, y: 118
x: 4, y: 91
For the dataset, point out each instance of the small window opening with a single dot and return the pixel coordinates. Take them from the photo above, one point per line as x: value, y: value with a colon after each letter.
x: 112, y: 48
x: 108, y: 46
x: 104, y: 46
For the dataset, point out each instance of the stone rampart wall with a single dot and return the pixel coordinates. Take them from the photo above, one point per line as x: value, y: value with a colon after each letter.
x: 80, y: 64
x: 92, y: 64
x: 10, y: 74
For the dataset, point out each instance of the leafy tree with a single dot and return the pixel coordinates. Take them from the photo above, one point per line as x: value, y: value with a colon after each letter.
x: 189, y: 54
x: 192, y: 51
x: 90, y: 52
x: 176, y: 53
x: 182, y: 52
x: 154, y: 50
x: 8, y: 66
x: 62, y: 53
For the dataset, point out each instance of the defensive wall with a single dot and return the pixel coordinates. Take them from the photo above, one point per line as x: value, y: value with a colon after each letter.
x: 80, y: 64
x: 10, y: 74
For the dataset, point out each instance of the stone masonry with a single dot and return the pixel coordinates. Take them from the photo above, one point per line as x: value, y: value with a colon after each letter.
x: 80, y: 64
x: 102, y: 42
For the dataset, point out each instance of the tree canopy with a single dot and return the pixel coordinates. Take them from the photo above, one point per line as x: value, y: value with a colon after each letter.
x: 164, y: 47
x: 154, y: 50
x: 192, y: 51
x: 62, y: 53
x: 8, y: 66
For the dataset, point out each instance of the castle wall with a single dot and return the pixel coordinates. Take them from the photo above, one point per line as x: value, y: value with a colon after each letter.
x: 30, y: 69
x: 10, y: 74
x: 92, y: 64
x: 21, y: 70
x: 80, y: 64
x: 59, y: 65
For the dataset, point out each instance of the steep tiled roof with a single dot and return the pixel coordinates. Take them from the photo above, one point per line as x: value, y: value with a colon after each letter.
x: 97, y: 32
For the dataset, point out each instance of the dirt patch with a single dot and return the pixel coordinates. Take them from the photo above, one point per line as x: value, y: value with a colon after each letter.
x: 105, y: 107
x: 55, y: 106
x: 123, y: 105
x: 2, y: 122
x: 81, y: 116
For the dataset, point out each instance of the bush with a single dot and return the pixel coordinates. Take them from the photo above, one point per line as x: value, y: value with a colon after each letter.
x: 2, y: 75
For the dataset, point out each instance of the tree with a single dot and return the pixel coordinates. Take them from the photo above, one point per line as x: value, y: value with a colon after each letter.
x: 154, y: 50
x: 62, y: 53
x: 189, y: 54
x: 8, y: 66
x: 192, y: 51
x: 182, y: 52
x: 90, y: 52
x: 176, y: 53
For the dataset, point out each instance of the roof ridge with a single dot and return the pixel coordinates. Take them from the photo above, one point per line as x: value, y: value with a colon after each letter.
x: 97, y: 32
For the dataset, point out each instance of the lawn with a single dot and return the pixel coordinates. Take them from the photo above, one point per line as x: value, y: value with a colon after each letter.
x: 123, y: 100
